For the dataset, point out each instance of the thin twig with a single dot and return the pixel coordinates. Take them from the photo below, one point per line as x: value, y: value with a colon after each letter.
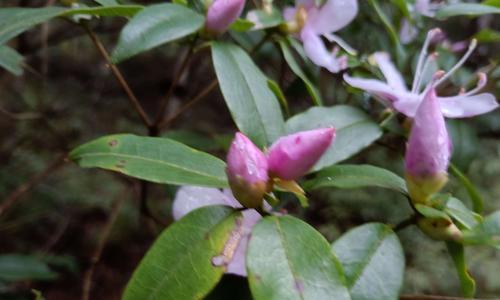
x: 15, y: 195
x: 20, y: 116
x: 96, y: 255
x: 164, y: 124
x: 118, y: 75
x: 177, y: 77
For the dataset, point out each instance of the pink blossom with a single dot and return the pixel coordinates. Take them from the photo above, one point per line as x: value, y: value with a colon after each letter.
x: 290, y: 157
x: 394, y: 93
x: 222, y: 13
x: 312, y: 22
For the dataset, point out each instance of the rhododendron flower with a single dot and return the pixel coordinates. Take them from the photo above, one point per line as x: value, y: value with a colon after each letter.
x: 247, y: 171
x: 222, y: 13
x: 291, y: 156
x: 311, y: 22
x: 428, y: 151
x: 395, y: 94
x: 189, y: 198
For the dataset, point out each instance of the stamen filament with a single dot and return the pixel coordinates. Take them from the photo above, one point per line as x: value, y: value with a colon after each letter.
x: 429, y: 59
x: 471, y: 48
x: 422, y: 56
x: 480, y: 84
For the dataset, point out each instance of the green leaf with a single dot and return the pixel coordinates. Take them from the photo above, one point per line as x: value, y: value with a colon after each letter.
x: 485, y: 233
x: 356, y: 176
x: 467, y: 282
x: 241, y: 25
x: 288, y: 259
x: 465, y: 140
x: 16, y: 267
x: 16, y: 20
x: 106, y: 11
x: 355, y: 130
x: 475, y: 197
x: 263, y: 20
x: 487, y: 35
x: 156, y: 25
x: 458, y: 211
x: 466, y: 9
x: 10, y: 60
x: 154, y: 159
x: 107, y: 2
x: 294, y: 66
x: 179, y: 264
x: 275, y: 88
x: 495, y: 3
x: 252, y: 104
x: 431, y: 212
x: 373, y: 262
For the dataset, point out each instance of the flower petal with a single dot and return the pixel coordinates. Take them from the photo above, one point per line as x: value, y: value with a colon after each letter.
x: 189, y: 198
x: 408, y: 32
x: 333, y: 15
x: 316, y: 51
x: 467, y: 106
x: 382, y: 90
x: 288, y: 13
x: 394, y: 78
x: 238, y: 264
x: 306, y: 3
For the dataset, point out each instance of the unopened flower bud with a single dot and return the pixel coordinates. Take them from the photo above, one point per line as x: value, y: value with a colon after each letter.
x: 428, y: 151
x: 440, y: 229
x: 222, y: 13
x: 247, y: 171
x: 292, y: 156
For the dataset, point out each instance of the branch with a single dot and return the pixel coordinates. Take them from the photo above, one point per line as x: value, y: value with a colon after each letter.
x: 177, y: 77
x: 15, y: 195
x: 164, y: 124
x: 96, y: 256
x: 118, y: 75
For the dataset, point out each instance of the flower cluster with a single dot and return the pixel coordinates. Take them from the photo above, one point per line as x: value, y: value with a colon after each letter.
x: 251, y: 173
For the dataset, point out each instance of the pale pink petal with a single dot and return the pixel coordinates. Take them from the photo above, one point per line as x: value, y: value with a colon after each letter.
x: 333, y: 15
x: 467, y: 106
x: 408, y: 104
x: 317, y: 52
x: 288, y: 13
x: 391, y: 74
x: 189, y: 198
x: 382, y: 90
x: 238, y: 266
x: 408, y: 32
x: 306, y: 3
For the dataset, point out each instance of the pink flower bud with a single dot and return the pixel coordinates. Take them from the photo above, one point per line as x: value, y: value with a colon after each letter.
x: 428, y: 151
x: 247, y: 171
x: 222, y: 13
x: 292, y: 156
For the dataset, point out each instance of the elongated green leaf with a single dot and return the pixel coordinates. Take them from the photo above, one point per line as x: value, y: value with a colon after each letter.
x: 106, y: 11
x: 288, y: 259
x: 458, y: 211
x: 11, y: 60
x: 107, y: 2
x: 154, y: 159
x: 252, y: 104
x: 16, y: 20
x: 355, y: 130
x: 262, y: 19
x: 292, y: 63
x: 466, y: 9
x: 487, y: 35
x: 275, y: 88
x: 373, y: 261
x: 475, y: 197
x: 356, y: 176
x: 15, y: 267
x: 458, y: 256
x: 179, y: 264
x: 486, y: 232
x: 156, y: 25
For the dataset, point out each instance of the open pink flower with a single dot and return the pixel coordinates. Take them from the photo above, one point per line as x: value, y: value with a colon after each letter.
x: 394, y: 93
x: 312, y: 22
x: 189, y: 198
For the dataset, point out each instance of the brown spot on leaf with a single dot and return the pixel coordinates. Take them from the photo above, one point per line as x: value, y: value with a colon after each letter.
x: 113, y: 143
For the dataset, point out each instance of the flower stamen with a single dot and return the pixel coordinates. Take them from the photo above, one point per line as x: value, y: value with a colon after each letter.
x: 423, y: 55
x: 462, y: 60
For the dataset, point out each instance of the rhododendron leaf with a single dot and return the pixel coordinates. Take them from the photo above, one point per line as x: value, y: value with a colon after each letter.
x: 156, y: 25
x: 369, y: 253
x: 486, y: 232
x: 458, y: 256
x: 355, y: 130
x: 10, y: 60
x: 288, y: 259
x: 356, y: 176
x: 106, y: 11
x: 252, y: 104
x: 466, y: 9
x: 158, y: 160
x: 180, y: 264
